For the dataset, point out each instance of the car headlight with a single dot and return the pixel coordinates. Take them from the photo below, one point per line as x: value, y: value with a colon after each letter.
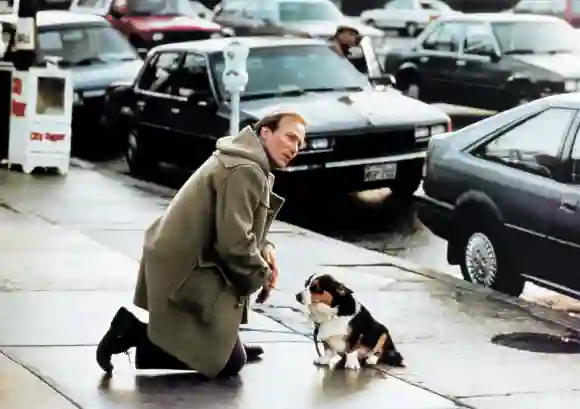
x: 437, y: 129
x: 317, y: 144
x: 572, y: 85
x: 157, y: 36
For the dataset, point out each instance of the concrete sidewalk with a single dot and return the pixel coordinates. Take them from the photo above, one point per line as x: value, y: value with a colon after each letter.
x: 69, y: 248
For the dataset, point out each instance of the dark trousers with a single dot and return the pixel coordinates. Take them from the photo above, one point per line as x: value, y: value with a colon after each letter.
x: 150, y: 356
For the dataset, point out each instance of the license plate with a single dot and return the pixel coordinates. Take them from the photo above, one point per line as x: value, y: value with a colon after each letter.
x: 381, y: 171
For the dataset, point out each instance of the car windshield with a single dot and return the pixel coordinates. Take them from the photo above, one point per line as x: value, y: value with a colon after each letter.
x: 290, y: 11
x: 293, y: 70
x: 529, y: 37
x: 85, y: 45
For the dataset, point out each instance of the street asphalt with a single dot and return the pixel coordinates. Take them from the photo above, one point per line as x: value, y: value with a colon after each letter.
x: 69, y: 252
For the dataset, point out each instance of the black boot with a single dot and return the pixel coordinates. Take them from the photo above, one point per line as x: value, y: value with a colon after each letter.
x: 253, y: 352
x: 121, y: 336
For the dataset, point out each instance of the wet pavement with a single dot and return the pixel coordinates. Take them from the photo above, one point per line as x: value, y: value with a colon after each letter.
x: 69, y: 250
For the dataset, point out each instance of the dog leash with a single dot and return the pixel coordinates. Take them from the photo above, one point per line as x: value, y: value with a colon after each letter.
x: 316, y: 341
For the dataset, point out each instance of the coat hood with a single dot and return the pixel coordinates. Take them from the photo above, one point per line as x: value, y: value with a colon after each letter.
x: 245, y: 145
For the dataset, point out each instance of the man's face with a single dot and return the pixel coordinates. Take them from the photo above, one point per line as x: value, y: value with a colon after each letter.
x: 348, y: 38
x: 283, y: 144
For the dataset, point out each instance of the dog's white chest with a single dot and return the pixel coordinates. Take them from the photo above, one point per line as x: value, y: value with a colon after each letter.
x: 337, y: 327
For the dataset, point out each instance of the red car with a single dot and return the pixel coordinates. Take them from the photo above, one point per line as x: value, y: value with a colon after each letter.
x: 148, y: 23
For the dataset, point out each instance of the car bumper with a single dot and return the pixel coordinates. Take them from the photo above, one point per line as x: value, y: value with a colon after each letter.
x: 350, y: 174
x: 437, y: 216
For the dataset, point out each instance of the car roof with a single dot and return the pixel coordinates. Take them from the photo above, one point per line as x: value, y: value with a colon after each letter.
x: 570, y: 100
x: 49, y: 18
x: 501, y: 17
x: 217, y: 44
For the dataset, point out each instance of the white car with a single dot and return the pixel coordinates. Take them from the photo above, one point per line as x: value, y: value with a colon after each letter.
x: 406, y: 16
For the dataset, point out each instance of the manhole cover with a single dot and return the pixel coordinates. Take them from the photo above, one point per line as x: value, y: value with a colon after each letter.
x: 539, y: 342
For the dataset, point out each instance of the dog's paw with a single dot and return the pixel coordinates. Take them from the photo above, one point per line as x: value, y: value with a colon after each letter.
x: 372, y: 360
x: 352, y: 362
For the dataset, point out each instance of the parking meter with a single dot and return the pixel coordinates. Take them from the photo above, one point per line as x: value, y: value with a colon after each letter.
x: 235, y: 78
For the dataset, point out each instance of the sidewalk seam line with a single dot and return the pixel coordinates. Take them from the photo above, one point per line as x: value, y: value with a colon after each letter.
x: 37, y: 375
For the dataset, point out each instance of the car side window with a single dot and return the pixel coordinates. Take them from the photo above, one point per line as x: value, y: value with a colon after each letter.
x: 534, y: 145
x: 447, y: 37
x: 575, y: 159
x: 160, y: 78
x: 192, y: 78
x: 478, y: 40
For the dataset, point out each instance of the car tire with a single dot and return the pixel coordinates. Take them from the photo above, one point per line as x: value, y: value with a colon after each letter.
x: 407, y: 183
x: 485, y: 259
x: 138, y: 158
x: 408, y: 83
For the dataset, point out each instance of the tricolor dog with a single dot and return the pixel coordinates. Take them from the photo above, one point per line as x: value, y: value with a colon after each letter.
x: 345, y: 327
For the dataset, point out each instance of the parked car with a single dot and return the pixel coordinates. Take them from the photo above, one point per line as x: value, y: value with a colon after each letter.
x: 148, y: 23
x: 358, y: 137
x: 504, y: 193
x: 310, y: 18
x: 97, y: 56
x: 489, y: 61
x: 408, y: 17
x: 568, y: 10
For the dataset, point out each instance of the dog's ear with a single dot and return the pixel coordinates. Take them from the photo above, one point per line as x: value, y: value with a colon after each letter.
x: 345, y: 302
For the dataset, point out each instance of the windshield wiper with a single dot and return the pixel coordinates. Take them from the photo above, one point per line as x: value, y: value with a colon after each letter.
x: 83, y: 61
x: 296, y: 92
x: 124, y: 58
x: 520, y: 51
x: 332, y: 89
x: 559, y: 51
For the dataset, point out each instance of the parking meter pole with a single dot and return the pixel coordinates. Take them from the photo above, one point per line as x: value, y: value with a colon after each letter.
x: 235, y: 78
x: 235, y: 115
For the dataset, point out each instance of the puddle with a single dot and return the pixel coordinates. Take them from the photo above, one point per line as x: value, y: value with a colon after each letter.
x: 539, y: 342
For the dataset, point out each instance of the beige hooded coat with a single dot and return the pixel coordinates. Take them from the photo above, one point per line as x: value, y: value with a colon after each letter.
x: 202, y: 259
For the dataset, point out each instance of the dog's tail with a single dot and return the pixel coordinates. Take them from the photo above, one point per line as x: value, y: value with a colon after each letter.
x: 392, y: 357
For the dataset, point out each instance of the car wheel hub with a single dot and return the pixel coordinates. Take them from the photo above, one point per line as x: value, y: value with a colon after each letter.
x: 480, y: 259
x: 132, y: 147
x: 413, y: 91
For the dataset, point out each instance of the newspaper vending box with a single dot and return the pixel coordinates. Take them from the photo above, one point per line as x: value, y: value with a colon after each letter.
x: 40, y: 120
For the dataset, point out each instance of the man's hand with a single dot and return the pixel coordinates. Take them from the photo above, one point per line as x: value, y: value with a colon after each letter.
x: 269, y: 254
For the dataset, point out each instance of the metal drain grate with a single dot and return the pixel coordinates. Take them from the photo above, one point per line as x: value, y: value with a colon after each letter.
x: 539, y: 342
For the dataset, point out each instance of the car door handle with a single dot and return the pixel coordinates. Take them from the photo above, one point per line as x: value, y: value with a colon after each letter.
x: 569, y: 205
x: 460, y: 63
x: 175, y: 110
x: 424, y: 59
x: 141, y: 104
x: 202, y: 103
